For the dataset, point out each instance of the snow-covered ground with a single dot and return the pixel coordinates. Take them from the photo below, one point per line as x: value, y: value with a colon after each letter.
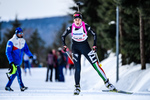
x: 131, y: 78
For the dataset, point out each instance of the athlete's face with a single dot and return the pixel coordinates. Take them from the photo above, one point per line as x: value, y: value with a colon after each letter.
x: 20, y: 35
x: 77, y: 21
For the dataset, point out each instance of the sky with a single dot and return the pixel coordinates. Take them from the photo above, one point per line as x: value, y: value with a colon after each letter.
x: 29, y: 9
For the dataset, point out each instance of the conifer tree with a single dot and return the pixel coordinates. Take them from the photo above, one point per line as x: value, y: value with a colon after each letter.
x: 36, y: 45
x: 134, y: 27
x: 58, y: 37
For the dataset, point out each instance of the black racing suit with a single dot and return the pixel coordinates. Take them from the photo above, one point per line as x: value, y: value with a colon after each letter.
x: 82, y: 47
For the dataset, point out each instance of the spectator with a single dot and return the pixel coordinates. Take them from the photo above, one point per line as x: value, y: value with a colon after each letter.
x: 50, y: 65
x: 35, y: 62
x: 55, y: 64
x: 61, y: 65
x: 26, y: 63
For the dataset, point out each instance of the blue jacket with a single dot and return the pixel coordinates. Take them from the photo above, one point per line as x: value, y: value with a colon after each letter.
x: 15, y: 49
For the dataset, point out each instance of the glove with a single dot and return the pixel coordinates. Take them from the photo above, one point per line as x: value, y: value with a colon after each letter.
x: 12, y: 68
x: 94, y: 48
x: 65, y: 48
x: 31, y: 57
x: 10, y: 65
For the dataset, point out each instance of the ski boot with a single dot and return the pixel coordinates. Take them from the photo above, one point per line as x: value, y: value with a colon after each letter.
x: 23, y: 88
x: 109, y: 85
x: 77, y: 90
x: 8, y: 89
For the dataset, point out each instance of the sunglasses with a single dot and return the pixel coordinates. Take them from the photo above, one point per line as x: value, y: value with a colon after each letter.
x: 21, y: 33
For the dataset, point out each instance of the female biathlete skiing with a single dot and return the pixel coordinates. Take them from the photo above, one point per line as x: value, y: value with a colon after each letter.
x: 80, y: 45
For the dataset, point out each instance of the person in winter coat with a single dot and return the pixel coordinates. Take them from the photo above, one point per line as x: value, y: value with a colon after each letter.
x: 55, y: 65
x: 61, y: 65
x: 50, y: 65
x: 79, y: 31
x: 15, y: 49
x: 27, y: 63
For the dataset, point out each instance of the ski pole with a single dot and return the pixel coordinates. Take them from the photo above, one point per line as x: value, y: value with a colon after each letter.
x: 98, y: 60
x: 69, y: 56
x: 8, y: 76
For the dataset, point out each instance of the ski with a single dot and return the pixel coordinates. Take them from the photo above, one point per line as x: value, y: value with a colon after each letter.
x: 117, y: 91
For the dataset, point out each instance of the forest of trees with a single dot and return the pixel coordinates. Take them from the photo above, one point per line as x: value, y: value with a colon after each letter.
x: 134, y: 22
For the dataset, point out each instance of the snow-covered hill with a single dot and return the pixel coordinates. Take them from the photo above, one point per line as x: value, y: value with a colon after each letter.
x: 131, y: 78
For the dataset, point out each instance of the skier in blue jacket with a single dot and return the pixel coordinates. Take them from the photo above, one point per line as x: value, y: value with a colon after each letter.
x: 15, y: 49
x: 80, y: 45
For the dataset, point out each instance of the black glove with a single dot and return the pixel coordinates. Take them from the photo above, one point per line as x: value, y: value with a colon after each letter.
x: 65, y: 48
x: 10, y: 65
x: 94, y: 48
x: 31, y: 57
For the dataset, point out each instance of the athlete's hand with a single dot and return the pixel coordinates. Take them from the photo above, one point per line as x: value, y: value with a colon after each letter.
x: 12, y: 69
x: 31, y: 57
x: 94, y: 48
x: 65, y: 48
